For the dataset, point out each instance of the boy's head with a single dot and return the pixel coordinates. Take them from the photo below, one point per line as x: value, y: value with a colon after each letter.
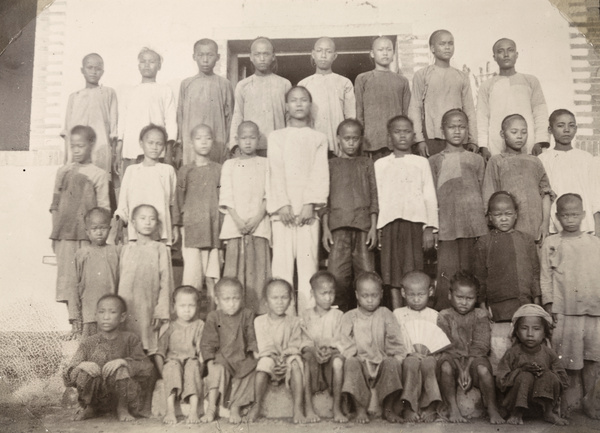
x: 382, y: 51
x: 505, y: 53
x: 185, y: 302
x: 149, y: 63
x: 464, y: 289
x: 247, y: 137
x: 278, y: 294
x: 441, y: 44
x: 502, y: 210
x: 144, y: 219
x: 202, y: 139
x: 323, y: 287
x: 111, y: 311
x: 153, y: 139
x: 563, y: 126
x: 82, y: 141
x: 455, y: 126
x: 401, y: 134
x: 262, y: 55
x: 416, y: 290
x: 92, y: 68
x: 531, y: 324
x: 569, y: 212
x: 369, y: 290
x: 298, y: 102
x: 324, y: 54
x: 350, y: 133
x: 97, y: 225
x: 206, y: 55
x: 514, y: 132
x: 229, y: 295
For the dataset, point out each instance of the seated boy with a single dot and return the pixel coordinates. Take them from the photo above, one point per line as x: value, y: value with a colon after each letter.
x: 421, y: 393
x: 468, y: 329
x: 110, y: 369
x: 228, y: 345
x: 323, y: 364
x: 373, y: 348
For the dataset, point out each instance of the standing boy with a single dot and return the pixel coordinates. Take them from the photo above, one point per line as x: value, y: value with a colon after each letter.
x: 333, y: 94
x: 349, y: 222
x: 507, y: 93
x: 205, y: 98
x: 94, y: 106
x: 148, y: 102
x: 438, y: 88
x: 570, y: 279
x: 380, y: 95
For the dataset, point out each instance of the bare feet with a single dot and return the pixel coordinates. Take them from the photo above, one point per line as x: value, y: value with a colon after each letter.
x: 361, y: 416
x: 410, y: 415
x: 515, y: 420
x: 428, y: 415
x: 124, y: 415
x: 254, y: 413
x: 456, y: 417
x: 234, y: 415
x: 391, y: 416
x: 553, y: 418
x: 311, y: 416
x: 192, y: 418
x: 85, y: 413
x: 209, y: 416
x: 338, y: 416
x: 170, y: 419
x: 495, y: 417
x: 299, y: 418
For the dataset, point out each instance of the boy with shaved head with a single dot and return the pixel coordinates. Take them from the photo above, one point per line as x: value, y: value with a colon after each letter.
x: 333, y: 94
x: 507, y: 93
x: 421, y: 392
x: 205, y: 98
x: 94, y: 106
x: 261, y: 96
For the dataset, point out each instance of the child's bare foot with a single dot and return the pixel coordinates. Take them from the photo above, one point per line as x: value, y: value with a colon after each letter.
x: 410, y: 415
x: 456, y: 417
x: 299, y: 418
x: 361, y: 416
x: 124, y: 415
x: 85, y: 413
x: 254, y: 413
x: 428, y: 415
x: 515, y: 419
x: 311, y: 416
x: 391, y: 416
x: 495, y: 417
x: 338, y: 416
x: 192, y: 418
x: 170, y: 419
x: 209, y: 416
x: 553, y: 418
x: 234, y: 415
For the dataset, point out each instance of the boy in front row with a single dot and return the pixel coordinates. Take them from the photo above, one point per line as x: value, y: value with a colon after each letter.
x: 323, y: 363
x: 466, y: 361
x: 373, y: 348
x: 110, y: 369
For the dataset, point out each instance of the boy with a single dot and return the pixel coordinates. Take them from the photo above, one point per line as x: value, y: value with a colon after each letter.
x: 380, y: 95
x: 94, y: 106
x: 261, y: 96
x: 571, y: 170
x: 205, y: 98
x: 468, y: 328
x: 323, y: 364
x: 350, y: 219
x: 421, y: 393
x: 148, y: 102
x: 228, y: 346
x: 110, y: 369
x: 373, y: 348
x: 569, y: 281
x: 97, y: 269
x: 177, y: 358
x: 507, y: 93
x: 438, y: 88
x: 333, y: 94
